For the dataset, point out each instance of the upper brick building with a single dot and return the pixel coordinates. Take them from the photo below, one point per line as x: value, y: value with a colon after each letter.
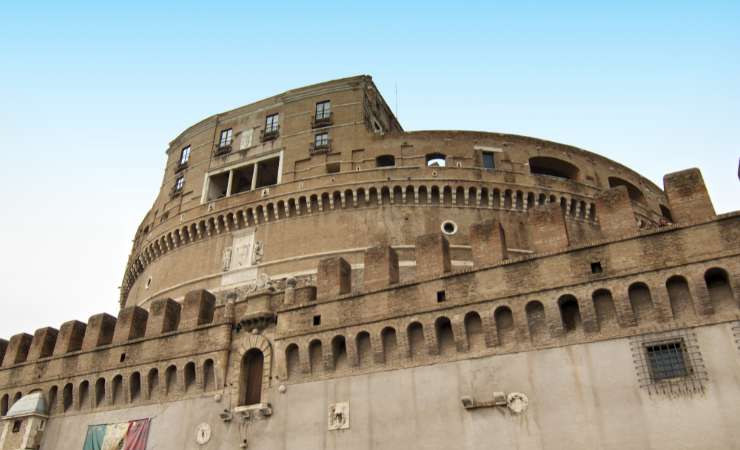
x: 305, y: 254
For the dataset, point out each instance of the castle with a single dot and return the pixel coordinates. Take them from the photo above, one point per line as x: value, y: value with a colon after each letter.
x: 311, y: 276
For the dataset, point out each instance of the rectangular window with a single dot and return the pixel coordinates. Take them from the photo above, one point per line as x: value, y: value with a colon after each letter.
x: 242, y: 181
x: 267, y: 172
x: 217, y: 186
x: 179, y: 183
x: 666, y: 360
x: 321, y: 140
x: 323, y: 110
x: 272, y: 124
x: 225, y: 138
x: 488, y: 162
x: 184, y: 155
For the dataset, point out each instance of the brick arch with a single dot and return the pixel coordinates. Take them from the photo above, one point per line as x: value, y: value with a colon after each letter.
x: 263, y: 344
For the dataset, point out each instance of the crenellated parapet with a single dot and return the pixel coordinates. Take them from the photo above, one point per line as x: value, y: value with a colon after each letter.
x: 111, y: 361
x: 629, y: 282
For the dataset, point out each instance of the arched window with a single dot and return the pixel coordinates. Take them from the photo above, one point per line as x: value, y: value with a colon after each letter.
x: 445, y: 336
x: 53, y: 392
x: 606, y: 313
x: 82, y: 396
x: 251, y: 377
x: 117, y: 389
x: 316, y: 356
x: 720, y: 292
x: 543, y: 165
x: 67, y: 399
x: 364, y: 349
x: 436, y: 160
x: 666, y: 213
x: 339, y: 352
x: 4, y: 404
x: 170, y: 380
x: 209, y: 376
x: 189, y: 376
x: 682, y: 304
x: 385, y: 161
x: 292, y: 360
x: 634, y: 192
x: 99, y: 391
x: 152, y: 381
x: 474, y: 331
x: 415, y: 332
x: 536, y: 321
x: 504, y: 324
x: 641, y: 301
x: 390, y: 345
x: 570, y: 313
x: 135, y: 387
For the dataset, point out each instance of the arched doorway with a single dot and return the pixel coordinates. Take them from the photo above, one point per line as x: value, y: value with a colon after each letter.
x: 251, y: 377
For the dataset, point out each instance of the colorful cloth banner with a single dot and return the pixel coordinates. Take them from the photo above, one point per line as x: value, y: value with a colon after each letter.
x: 120, y: 436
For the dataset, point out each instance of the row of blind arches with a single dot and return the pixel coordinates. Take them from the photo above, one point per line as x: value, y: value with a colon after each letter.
x: 477, y: 331
x: 139, y: 387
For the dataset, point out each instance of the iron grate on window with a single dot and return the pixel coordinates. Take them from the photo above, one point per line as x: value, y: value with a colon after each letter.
x: 666, y: 360
x: 669, y: 363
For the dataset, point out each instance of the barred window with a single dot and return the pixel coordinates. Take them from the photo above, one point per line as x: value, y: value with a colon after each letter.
x: 666, y: 360
x: 272, y: 123
x: 323, y: 109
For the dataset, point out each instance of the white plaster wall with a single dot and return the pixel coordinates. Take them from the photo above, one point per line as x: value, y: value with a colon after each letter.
x: 581, y: 397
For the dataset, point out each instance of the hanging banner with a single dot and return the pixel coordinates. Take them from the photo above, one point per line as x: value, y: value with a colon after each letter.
x: 120, y: 436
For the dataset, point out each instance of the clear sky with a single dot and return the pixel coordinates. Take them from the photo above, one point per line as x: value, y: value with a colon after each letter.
x: 92, y: 92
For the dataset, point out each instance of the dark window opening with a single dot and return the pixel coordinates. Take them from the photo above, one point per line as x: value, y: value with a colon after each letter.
x: 272, y: 123
x: 441, y: 296
x: 317, y: 320
x: 596, y: 267
x: 543, y: 165
x: 488, y: 161
x: 217, y: 185
x: 667, y: 360
x: 242, y: 179
x: 385, y: 161
x: 267, y: 172
x: 184, y: 155
x: 321, y: 140
x: 123, y: 357
x: 633, y: 191
x: 436, y: 160
x: 225, y: 140
x: 252, y: 367
x: 17, y: 426
x: 570, y: 313
x: 333, y: 168
x: 179, y: 184
x: 323, y: 110
x: 666, y: 213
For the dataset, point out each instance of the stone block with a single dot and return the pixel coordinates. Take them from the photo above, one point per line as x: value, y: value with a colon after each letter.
x: 17, y: 351
x: 381, y: 267
x: 616, y: 215
x: 687, y: 195
x: 44, y: 341
x: 548, y: 230
x: 488, y: 243
x: 164, y: 316
x: 432, y: 255
x: 334, y: 277
x: 71, y: 337
x: 198, y: 309
x: 131, y: 324
x: 99, y: 331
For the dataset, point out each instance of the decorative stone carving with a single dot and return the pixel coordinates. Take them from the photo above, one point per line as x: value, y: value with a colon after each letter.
x: 226, y: 261
x: 258, y: 252
x: 517, y: 402
x: 338, y: 416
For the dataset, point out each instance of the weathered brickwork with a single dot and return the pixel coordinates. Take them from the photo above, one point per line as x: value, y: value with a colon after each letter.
x: 382, y: 250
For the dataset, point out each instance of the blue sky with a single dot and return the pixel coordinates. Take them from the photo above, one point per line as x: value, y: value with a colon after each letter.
x: 92, y: 92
